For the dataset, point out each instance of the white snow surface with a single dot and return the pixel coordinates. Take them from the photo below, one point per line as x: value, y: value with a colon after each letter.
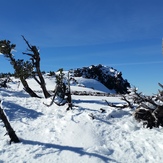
x: 54, y: 135
x: 91, y: 85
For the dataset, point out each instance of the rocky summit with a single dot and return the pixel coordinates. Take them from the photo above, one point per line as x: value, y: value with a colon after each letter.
x: 108, y: 76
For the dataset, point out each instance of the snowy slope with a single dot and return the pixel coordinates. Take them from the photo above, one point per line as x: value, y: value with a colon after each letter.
x: 50, y: 134
x: 93, y: 84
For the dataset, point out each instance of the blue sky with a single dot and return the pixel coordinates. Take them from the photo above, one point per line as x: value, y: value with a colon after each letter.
x: 125, y: 35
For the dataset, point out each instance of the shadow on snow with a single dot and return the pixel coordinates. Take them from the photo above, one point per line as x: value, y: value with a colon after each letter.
x: 15, y: 112
x: 102, y: 102
x: 8, y: 93
x: 78, y: 150
x: 89, y: 102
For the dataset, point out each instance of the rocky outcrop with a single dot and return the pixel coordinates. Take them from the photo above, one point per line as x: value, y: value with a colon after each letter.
x: 108, y: 76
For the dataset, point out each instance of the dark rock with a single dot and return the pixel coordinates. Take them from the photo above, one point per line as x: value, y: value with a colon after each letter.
x: 108, y: 76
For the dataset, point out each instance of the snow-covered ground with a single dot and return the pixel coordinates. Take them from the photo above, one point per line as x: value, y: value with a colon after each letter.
x: 54, y: 135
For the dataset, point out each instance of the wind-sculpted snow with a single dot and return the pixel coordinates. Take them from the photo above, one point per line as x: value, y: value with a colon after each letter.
x: 82, y: 135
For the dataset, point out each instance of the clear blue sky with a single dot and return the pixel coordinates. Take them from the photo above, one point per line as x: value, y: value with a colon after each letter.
x: 124, y: 34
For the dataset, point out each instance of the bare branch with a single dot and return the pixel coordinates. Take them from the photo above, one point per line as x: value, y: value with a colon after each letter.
x: 128, y: 102
x: 28, y: 54
x: 27, y: 43
x: 55, y: 93
x: 116, y: 106
x: 160, y: 85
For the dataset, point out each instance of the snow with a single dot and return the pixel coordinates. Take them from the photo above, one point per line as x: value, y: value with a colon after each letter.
x: 93, y: 84
x: 54, y: 135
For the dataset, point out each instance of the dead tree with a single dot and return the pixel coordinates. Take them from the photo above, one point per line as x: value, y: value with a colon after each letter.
x: 149, y: 109
x: 62, y: 92
x: 122, y: 106
x: 9, y: 129
x: 6, y: 49
x: 53, y: 99
x: 69, y: 99
x: 150, y: 118
x: 127, y: 103
x: 146, y: 116
x: 35, y: 58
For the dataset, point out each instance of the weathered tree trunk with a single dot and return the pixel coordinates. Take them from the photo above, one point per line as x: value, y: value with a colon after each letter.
x: 55, y: 93
x: 36, y: 59
x: 28, y: 89
x: 10, y: 131
x: 24, y: 82
x: 36, y: 63
x: 69, y: 99
x: 42, y: 83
